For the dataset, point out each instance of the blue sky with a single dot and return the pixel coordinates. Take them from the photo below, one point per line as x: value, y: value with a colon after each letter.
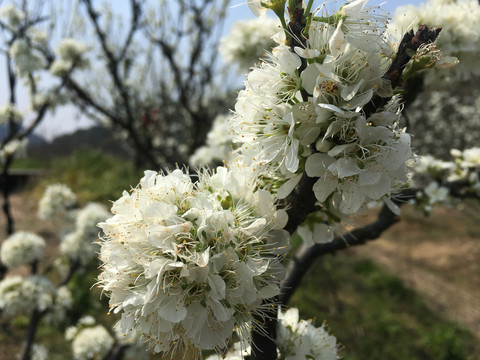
x: 67, y: 119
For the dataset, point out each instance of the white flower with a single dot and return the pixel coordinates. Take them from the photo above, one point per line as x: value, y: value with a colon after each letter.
x: 22, y: 248
x: 287, y: 111
x: 248, y: 41
x: 238, y: 352
x: 257, y: 8
x: 24, y: 295
x: 60, y: 68
x: 320, y: 234
x: 15, y: 146
x: 71, y: 50
x: 187, y: 264
x: 436, y: 194
x: 367, y: 167
x: 39, y: 352
x: 88, y: 218
x: 13, y: 15
x: 25, y: 59
x: 77, y: 246
x: 364, y: 26
x: 92, y: 343
x: 428, y: 164
x: 63, y: 301
x: 80, y: 243
x: 56, y: 199
x: 299, y: 340
x: 218, y: 147
x: 468, y: 158
x: 8, y: 112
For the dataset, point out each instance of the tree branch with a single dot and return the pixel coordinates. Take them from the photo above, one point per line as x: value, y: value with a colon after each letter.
x: 305, y: 256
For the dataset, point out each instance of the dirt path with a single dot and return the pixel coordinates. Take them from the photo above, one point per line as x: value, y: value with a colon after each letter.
x: 439, y: 264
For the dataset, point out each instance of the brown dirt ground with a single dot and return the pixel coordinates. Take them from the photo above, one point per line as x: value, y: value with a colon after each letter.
x: 439, y: 257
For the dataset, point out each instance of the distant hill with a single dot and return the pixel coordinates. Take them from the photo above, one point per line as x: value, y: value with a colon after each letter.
x: 96, y: 137
x: 33, y: 139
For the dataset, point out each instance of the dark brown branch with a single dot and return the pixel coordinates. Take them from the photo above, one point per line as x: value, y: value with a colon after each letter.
x: 306, y: 256
x: 26, y: 353
x: 38, y: 315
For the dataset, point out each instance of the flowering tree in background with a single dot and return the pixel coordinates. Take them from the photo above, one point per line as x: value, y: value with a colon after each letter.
x: 154, y: 81
x: 36, y: 295
x: 194, y: 263
x: 23, y: 40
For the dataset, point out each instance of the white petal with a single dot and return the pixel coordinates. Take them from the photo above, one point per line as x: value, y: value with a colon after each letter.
x: 288, y: 187
x: 291, y: 161
x: 352, y: 201
x: 324, y: 187
x: 307, y: 53
x: 317, y: 164
x: 337, y: 41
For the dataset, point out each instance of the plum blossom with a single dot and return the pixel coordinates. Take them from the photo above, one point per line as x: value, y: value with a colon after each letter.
x: 218, y: 147
x: 56, y: 199
x: 22, y: 248
x: 24, y: 295
x: 92, y: 343
x: 299, y: 339
x: 187, y: 264
x: 80, y: 244
x: 248, y: 41
x: 303, y: 111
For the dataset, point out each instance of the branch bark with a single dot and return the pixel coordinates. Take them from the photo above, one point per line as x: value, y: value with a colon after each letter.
x: 306, y: 256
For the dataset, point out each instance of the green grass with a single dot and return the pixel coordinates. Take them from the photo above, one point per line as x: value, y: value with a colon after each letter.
x: 28, y: 163
x: 94, y: 176
x: 375, y: 316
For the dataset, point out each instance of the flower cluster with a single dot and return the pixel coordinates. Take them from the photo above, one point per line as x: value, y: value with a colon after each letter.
x: 188, y: 263
x: 464, y: 164
x: 88, y: 341
x: 299, y: 340
x: 22, y: 248
x: 25, y: 58
x: 429, y: 165
x: 18, y: 147
x: 460, y: 36
x: 56, y: 199
x: 468, y: 158
x: 79, y: 243
x: 248, y: 41
x: 434, y: 175
x: 304, y: 111
x: 19, y: 295
x: 434, y: 194
x: 218, y: 147
x: 9, y: 112
x: 71, y: 53
x: 296, y: 340
x: 39, y: 352
x: 12, y: 15
x: 24, y: 295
